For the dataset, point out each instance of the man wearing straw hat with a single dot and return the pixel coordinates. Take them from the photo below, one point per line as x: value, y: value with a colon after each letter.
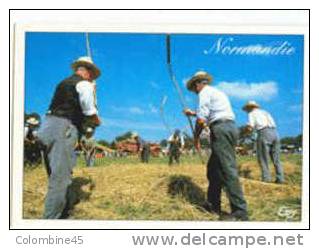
x: 32, y: 147
x: 143, y: 147
x: 215, y: 111
x: 72, y: 110
x: 176, y: 144
x: 268, y: 143
x: 32, y: 123
x: 88, y: 145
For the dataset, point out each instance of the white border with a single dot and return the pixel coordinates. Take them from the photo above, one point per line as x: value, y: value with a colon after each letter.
x: 18, y: 109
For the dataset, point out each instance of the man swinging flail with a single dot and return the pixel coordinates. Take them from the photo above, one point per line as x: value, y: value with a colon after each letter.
x: 215, y: 111
x: 72, y: 111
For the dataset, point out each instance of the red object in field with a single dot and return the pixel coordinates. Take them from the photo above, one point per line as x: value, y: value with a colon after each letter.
x: 99, y: 155
x: 155, y: 149
x: 131, y: 147
x: 127, y: 146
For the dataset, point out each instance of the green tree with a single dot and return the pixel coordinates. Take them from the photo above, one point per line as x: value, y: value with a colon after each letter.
x: 113, y: 145
x: 103, y: 142
x: 297, y: 141
x: 124, y: 136
x: 163, y: 143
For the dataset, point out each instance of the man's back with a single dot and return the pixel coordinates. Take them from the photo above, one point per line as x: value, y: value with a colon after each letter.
x: 214, y: 105
x: 260, y: 119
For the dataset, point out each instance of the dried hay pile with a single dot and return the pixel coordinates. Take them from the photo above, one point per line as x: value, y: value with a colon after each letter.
x: 158, y: 192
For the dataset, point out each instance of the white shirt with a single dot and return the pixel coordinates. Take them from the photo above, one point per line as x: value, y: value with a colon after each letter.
x: 260, y: 119
x: 214, y: 105
x: 89, y: 143
x: 26, y: 130
x: 171, y: 139
x: 87, y: 97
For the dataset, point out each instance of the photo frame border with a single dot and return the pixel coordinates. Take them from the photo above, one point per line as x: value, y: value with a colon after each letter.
x: 16, y: 75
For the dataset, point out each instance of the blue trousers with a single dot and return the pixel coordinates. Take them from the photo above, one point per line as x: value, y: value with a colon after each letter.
x: 268, y: 145
x: 59, y: 136
x: 89, y: 159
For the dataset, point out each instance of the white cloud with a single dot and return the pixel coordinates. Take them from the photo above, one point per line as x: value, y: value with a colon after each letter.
x: 135, y: 110
x: 247, y: 91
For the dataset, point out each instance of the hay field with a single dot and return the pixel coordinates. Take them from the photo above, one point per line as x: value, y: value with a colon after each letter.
x: 124, y: 189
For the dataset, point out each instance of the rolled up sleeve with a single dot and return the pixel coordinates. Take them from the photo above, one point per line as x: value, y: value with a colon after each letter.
x: 203, y: 107
x: 86, y: 97
x: 251, y: 120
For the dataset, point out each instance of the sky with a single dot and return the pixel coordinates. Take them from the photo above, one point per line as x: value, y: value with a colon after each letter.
x: 135, y: 79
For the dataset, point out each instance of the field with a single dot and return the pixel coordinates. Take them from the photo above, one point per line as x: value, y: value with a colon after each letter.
x: 125, y: 189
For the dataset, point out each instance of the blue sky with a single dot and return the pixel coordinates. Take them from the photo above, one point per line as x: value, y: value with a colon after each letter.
x: 135, y: 78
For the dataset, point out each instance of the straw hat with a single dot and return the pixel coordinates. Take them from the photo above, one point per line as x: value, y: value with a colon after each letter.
x: 87, y: 62
x: 250, y: 104
x: 89, y: 130
x: 32, y: 121
x: 198, y: 77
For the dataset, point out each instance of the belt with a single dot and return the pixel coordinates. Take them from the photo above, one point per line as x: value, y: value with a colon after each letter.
x: 220, y: 121
x: 267, y: 127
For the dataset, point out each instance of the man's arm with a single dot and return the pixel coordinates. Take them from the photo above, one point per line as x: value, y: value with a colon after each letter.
x: 87, y: 102
x: 250, y: 125
x: 85, y: 90
x: 202, y: 115
x: 248, y: 129
x: 189, y: 112
x: 200, y: 125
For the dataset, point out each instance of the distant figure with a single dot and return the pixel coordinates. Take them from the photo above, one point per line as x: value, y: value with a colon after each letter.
x: 176, y: 144
x: 32, y: 146
x: 215, y: 111
x: 32, y: 124
x: 72, y: 110
x: 143, y: 147
x: 88, y: 145
x: 268, y: 143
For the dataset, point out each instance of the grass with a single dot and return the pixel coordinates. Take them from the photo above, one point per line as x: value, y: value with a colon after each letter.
x: 125, y: 189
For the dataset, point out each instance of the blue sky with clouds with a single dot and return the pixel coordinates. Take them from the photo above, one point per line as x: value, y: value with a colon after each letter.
x: 135, y: 79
